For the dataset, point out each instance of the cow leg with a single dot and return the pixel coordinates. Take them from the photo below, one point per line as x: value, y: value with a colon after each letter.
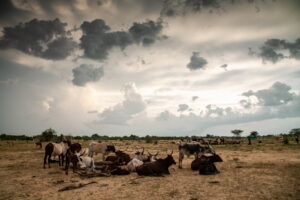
x: 62, y: 159
x: 45, y: 158
x: 59, y: 160
x: 67, y: 164
x: 181, y: 156
x: 49, y: 158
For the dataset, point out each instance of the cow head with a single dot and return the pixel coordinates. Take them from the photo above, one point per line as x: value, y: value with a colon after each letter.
x: 170, y: 160
x: 110, y: 148
x: 152, y: 157
x: 215, y: 158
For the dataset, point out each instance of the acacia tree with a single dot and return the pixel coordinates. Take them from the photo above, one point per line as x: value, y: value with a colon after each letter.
x: 254, y: 134
x: 48, y: 135
x: 237, y: 132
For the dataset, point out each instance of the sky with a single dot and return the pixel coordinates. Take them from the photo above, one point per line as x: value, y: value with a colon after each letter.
x: 159, y: 67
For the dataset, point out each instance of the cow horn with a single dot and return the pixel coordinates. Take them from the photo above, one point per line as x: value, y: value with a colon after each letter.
x: 171, y: 152
x: 157, y: 153
x: 143, y: 151
x: 212, y: 149
x: 149, y: 153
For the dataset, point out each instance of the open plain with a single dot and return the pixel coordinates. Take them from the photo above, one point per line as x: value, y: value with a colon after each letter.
x: 270, y: 170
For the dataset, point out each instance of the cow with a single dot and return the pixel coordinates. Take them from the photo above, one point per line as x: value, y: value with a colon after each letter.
x: 156, y: 168
x: 205, y: 164
x: 141, y: 156
x: 39, y: 144
x: 133, y: 164
x: 195, y: 165
x: 86, y: 162
x: 192, y: 149
x: 84, y: 151
x: 71, y: 157
x: 56, y: 149
x: 104, y: 149
x: 151, y: 157
x: 121, y: 158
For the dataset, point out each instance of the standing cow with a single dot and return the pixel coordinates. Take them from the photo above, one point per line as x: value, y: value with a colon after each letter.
x: 104, y: 149
x: 56, y: 149
x: 193, y: 149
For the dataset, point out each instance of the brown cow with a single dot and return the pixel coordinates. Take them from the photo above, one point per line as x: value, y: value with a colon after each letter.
x: 156, y: 168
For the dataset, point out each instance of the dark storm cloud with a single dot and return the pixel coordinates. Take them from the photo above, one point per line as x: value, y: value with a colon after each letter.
x: 86, y: 73
x: 46, y: 39
x: 9, y: 13
x: 182, y: 7
x: 278, y: 94
x: 272, y: 49
x: 97, y: 41
x: 196, y: 62
x: 145, y: 33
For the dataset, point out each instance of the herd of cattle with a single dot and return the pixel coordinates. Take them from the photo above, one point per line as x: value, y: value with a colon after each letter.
x: 122, y: 164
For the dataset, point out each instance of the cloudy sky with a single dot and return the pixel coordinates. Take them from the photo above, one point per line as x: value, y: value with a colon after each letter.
x: 157, y: 67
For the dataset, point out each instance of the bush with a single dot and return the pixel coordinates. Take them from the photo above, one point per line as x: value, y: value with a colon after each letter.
x: 285, y: 140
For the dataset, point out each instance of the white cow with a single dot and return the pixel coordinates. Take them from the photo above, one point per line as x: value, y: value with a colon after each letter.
x: 86, y: 162
x: 133, y: 164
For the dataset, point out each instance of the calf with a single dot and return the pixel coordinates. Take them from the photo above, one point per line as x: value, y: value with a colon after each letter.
x: 71, y: 157
x: 56, y: 149
x: 192, y: 149
x: 157, y: 168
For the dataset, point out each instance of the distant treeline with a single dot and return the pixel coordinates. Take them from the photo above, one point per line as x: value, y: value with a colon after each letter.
x: 50, y: 135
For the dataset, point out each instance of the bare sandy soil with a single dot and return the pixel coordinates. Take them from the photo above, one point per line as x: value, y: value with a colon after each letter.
x: 261, y: 171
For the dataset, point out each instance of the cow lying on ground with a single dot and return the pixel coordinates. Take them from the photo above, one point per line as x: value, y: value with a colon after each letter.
x: 192, y: 149
x: 133, y: 164
x: 156, y: 168
x: 141, y: 156
x: 121, y: 158
x: 56, y: 149
x: 205, y: 164
x: 113, y: 169
x: 104, y: 149
x: 86, y: 162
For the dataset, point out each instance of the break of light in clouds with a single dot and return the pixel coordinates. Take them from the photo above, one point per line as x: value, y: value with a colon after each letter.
x: 182, y: 67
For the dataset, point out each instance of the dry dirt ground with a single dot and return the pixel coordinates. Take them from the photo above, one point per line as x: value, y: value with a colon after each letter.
x: 261, y: 171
